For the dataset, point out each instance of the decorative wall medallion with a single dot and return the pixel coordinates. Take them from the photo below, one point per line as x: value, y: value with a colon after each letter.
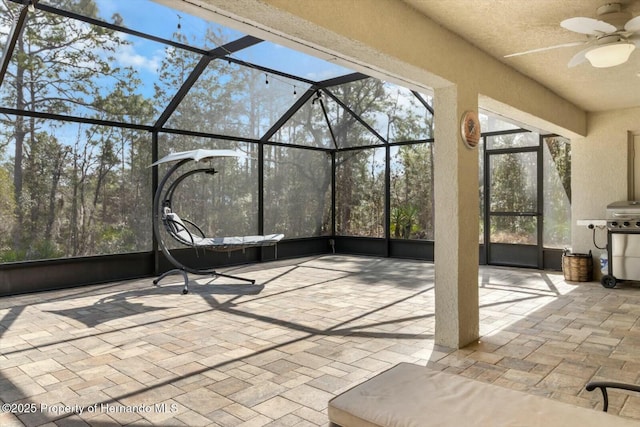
x: 470, y: 129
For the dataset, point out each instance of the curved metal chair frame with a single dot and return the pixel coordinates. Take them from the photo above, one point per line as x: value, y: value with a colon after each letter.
x: 177, y: 228
x: 604, y: 385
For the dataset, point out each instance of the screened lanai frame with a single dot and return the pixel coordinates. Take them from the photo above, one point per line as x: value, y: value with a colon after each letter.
x: 308, y: 92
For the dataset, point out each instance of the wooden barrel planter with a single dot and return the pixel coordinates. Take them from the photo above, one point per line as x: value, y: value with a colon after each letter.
x: 577, y: 267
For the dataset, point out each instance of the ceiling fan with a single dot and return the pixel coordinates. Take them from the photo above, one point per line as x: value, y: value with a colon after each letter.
x: 610, y: 38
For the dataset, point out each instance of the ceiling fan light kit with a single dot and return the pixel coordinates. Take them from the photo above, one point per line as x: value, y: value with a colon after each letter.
x: 611, y: 38
x: 610, y: 55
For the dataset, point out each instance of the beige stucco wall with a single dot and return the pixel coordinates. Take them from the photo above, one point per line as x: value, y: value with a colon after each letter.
x: 456, y: 225
x: 599, y: 171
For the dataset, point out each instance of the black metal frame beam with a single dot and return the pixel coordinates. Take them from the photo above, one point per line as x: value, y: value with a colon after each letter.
x: 222, y: 52
x: 207, y: 135
x: 423, y: 102
x: 387, y: 199
x: 217, y: 53
x: 288, y: 114
x: 182, y: 92
x: 304, y: 147
x: 326, y: 119
x: 540, y: 201
x: 202, y: 65
x: 485, y: 199
x: 505, y: 132
x: 233, y: 47
x: 148, y: 128
x: 355, y: 116
x: 154, y: 188
x: 270, y: 71
x: 512, y: 150
x: 120, y: 28
x: 261, y: 192
x: 333, y: 197
x: 74, y: 119
x: 488, y: 213
x: 390, y: 144
x: 340, y: 80
x: 225, y: 52
x: 410, y: 142
x: 360, y: 147
x: 14, y: 35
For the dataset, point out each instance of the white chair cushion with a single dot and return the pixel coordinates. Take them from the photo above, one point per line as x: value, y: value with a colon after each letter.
x: 412, y: 395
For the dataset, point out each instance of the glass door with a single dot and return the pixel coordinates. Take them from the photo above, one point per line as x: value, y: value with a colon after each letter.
x: 512, y: 214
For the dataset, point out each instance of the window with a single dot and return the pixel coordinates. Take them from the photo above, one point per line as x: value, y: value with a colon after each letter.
x: 412, y: 192
x: 557, y: 192
x: 69, y: 67
x: 231, y: 100
x: 360, y: 193
x: 297, y: 192
x: 221, y: 204
x: 78, y: 190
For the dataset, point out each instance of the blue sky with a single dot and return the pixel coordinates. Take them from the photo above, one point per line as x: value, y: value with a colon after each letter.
x: 146, y: 56
x: 156, y: 19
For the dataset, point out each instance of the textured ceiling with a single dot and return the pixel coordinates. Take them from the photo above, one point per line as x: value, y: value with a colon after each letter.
x: 502, y: 27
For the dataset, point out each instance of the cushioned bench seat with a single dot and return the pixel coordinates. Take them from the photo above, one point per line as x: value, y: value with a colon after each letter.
x: 413, y: 395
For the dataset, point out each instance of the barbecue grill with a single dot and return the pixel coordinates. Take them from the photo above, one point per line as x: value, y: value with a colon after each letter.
x: 623, y: 242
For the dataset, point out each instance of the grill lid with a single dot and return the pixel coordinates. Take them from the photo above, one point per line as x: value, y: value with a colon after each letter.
x: 624, y: 209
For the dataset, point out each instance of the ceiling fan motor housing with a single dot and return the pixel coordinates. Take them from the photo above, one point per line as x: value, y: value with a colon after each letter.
x: 608, y: 39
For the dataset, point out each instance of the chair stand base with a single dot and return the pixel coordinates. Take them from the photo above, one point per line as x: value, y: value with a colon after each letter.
x: 213, y: 273
x: 185, y: 290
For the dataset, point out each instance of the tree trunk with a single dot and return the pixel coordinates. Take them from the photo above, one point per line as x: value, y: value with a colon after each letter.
x: 55, y: 179
x: 20, y: 134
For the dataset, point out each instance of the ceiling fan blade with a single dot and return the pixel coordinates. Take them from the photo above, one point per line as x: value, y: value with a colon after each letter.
x: 579, y: 57
x: 542, y: 49
x: 587, y: 26
x: 633, y: 25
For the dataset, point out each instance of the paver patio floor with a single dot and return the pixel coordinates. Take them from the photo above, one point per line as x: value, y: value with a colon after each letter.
x: 273, y: 353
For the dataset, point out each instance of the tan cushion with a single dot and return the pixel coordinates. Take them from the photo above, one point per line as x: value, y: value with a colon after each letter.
x: 413, y: 395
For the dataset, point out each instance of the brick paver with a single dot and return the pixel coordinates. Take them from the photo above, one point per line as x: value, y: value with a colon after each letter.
x: 273, y: 353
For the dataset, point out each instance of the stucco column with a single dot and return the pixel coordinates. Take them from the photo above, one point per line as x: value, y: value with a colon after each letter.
x: 456, y: 221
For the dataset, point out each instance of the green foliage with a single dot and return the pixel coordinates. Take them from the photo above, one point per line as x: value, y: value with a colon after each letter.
x: 297, y: 192
x: 70, y: 181
x: 412, y: 192
x: 560, y: 151
x: 7, y: 211
x: 557, y: 192
x: 403, y: 222
x: 114, y: 239
x: 41, y: 249
x: 513, y: 190
x: 72, y: 189
x: 360, y: 193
